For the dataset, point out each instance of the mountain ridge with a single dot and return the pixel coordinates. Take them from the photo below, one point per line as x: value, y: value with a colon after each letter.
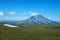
x: 35, y: 19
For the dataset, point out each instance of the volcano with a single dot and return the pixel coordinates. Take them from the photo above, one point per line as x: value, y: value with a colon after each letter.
x: 38, y: 19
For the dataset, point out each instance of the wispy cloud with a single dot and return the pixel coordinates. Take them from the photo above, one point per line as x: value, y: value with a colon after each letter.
x: 1, y: 13
x: 12, y: 13
x: 32, y: 13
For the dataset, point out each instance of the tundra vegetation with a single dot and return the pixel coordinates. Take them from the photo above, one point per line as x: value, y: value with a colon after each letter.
x: 30, y: 32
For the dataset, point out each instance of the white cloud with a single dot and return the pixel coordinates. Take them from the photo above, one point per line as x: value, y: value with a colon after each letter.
x: 12, y: 13
x: 1, y: 13
x: 33, y: 14
x: 29, y: 13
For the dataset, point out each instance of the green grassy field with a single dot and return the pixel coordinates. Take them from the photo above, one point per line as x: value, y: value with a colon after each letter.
x: 30, y: 32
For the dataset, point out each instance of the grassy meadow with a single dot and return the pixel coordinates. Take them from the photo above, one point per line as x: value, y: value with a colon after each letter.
x: 30, y: 32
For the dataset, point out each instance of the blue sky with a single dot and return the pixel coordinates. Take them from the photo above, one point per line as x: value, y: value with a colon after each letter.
x: 22, y: 9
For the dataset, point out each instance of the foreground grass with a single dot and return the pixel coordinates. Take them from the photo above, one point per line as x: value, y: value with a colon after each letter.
x: 30, y: 32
